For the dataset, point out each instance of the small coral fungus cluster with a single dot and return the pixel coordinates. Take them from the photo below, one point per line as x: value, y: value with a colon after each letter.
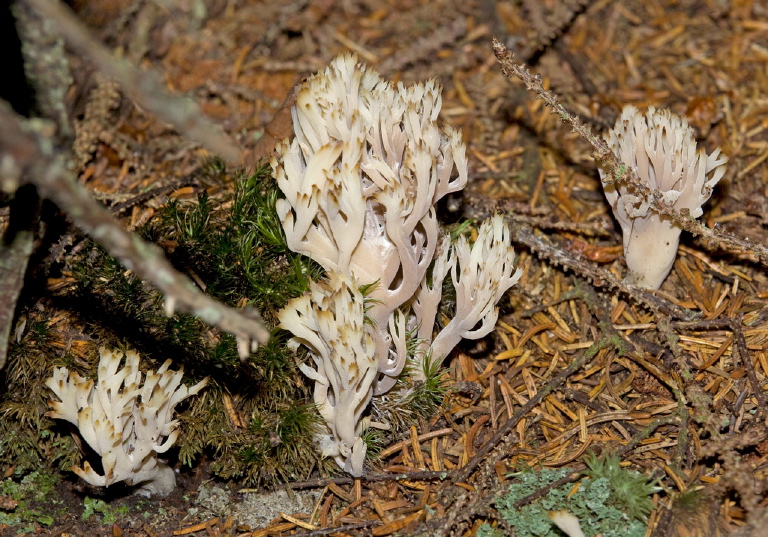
x: 661, y: 149
x: 126, y: 421
x: 361, y: 179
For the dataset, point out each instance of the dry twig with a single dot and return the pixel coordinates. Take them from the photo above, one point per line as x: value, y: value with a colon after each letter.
x: 419, y: 475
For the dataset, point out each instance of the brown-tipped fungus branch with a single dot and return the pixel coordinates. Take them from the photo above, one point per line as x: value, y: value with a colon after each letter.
x: 361, y: 179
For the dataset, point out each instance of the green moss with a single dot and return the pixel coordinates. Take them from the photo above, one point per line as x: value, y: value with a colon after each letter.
x: 630, y: 491
x: 32, y: 488
x: 235, y: 245
x: 422, y: 399
x: 593, y: 502
x: 239, y: 251
x: 426, y: 397
x: 28, y: 440
x: 109, y: 513
x: 276, y: 444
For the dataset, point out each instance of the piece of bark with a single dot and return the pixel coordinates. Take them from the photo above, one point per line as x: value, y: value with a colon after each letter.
x: 279, y: 127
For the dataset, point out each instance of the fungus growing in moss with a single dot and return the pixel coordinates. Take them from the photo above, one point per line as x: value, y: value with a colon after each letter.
x: 126, y: 422
x: 330, y: 322
x: 360, y: 181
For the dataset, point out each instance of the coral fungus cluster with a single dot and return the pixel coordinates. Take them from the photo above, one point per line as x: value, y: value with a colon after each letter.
x: 126, y: 422
x: 361, y: 179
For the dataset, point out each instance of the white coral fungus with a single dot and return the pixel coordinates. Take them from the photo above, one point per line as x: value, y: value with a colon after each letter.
x: 360, y: 181
x: 126, y: 422
x: 660, y: 147
x: 330, y: 322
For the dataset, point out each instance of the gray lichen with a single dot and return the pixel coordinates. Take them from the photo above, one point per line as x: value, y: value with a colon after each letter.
x: 46, y: 66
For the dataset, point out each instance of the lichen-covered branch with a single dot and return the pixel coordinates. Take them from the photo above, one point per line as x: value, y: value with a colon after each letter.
x: 15, y: 250
x: 29, y: 149
x: 146, y: 88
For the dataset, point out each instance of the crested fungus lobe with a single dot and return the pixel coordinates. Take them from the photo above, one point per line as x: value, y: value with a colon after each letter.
x: 360, y: 181
x: 481, y: 274
x: 127, y: 423
x: 330, y: 322
x: 660, y: 147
